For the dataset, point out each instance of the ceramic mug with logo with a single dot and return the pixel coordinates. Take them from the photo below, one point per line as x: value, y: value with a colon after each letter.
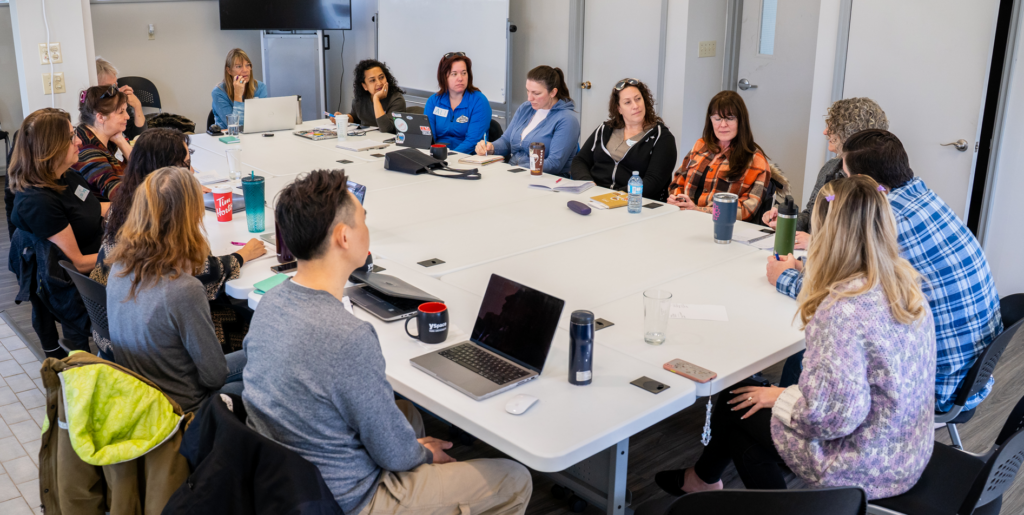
x: 431, y: 323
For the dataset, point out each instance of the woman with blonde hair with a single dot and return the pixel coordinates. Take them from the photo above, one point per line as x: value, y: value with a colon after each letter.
x: 229, y: 96
x: 861, y: 413
x: 159, y: 317
x: 844, y: 118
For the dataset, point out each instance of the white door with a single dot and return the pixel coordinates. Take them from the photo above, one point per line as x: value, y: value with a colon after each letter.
x: 926, y: 63
x: 777, y: 49
x: 620, y: 40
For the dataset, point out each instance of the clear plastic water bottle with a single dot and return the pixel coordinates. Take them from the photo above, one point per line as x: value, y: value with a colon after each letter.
x: 635, y: 186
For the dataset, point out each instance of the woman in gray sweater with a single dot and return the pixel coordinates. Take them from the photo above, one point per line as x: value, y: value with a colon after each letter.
x: 845, y: 118
x: 160, y: 322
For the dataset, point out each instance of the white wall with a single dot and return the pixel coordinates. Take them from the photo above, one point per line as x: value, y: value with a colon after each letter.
x: 677, y: 71
x: 67, y: 21
x: 821, y: 93
x: 185, y: 61
x: 1002, y: 241
x: 703, y: 75
x: 359, y: 44
x: 10, y: 91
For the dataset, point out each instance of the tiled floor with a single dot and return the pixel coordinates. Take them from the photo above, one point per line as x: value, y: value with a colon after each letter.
x: 21, y: 411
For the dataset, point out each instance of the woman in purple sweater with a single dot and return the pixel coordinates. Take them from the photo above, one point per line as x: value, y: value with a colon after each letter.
x: 861, y: 414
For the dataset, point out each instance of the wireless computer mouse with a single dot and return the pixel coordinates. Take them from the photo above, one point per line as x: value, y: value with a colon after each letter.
x: 579, y: 207
x: 520, y: 403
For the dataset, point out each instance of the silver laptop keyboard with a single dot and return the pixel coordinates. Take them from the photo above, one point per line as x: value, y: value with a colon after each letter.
x: 484, y: 363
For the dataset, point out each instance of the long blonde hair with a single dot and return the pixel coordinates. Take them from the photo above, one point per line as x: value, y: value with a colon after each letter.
x: 855, y: 238
x: 237, y: 54
x: 163, y: 233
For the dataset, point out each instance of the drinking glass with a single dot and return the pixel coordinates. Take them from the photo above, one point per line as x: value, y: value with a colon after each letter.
x: 234, y: 121
x: 234, y: 164
x: 656, y: 309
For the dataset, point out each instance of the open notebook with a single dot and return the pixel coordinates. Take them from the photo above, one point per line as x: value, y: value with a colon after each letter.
x: 554, y: 183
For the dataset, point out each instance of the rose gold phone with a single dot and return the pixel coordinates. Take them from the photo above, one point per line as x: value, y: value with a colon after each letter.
x: 690, y: 371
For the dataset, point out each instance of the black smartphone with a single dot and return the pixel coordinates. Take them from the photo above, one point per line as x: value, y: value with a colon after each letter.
x: 284, y: 267
x: 516, y: 170
x: 268, y: 135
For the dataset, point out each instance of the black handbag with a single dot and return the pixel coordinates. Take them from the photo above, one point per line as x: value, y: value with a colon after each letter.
x: 412, y: 161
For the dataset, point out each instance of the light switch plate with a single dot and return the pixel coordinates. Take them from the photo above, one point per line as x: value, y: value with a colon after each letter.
x: 46, y: 84
x: 707, y: 49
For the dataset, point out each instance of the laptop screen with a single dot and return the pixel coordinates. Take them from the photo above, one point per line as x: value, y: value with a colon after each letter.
x: 358, y: 190
x: 517, y: 322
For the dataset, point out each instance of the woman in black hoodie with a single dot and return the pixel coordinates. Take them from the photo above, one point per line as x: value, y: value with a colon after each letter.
x: 633, y: 139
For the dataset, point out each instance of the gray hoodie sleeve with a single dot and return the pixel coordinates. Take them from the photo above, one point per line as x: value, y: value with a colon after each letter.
x: 825, y: 175
x: 382, y: 428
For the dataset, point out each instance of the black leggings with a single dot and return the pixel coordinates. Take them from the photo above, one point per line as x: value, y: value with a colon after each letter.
x: 747, y: 443
x: 44, y: 321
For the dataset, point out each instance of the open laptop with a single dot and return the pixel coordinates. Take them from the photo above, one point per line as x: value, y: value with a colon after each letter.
x: 270, y: 114
x: 413, y: 130
x: 508, y: 346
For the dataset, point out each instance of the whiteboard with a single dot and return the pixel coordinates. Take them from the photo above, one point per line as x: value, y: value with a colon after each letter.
x: 413, y: 35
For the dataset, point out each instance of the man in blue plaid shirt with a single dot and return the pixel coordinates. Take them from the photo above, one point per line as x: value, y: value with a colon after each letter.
x: 957, y: 280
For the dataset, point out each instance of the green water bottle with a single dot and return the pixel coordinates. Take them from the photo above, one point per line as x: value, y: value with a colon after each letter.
x: 785, y: 227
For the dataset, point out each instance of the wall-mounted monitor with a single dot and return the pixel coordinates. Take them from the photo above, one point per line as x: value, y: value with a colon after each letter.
x: 286, y: 14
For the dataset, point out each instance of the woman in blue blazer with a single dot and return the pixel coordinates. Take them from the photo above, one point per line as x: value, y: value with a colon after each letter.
x: 546, y: 117
x: 459, y: 113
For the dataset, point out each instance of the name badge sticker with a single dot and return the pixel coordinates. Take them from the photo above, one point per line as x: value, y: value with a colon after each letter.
x: 440, y: 112
x: 81, y: 193
x: 462, y: 119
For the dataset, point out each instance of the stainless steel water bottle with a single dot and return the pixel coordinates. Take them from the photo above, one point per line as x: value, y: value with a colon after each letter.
x: 581, y: 347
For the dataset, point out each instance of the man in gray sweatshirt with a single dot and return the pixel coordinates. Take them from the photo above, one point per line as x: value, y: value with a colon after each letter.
x: 315, y: 379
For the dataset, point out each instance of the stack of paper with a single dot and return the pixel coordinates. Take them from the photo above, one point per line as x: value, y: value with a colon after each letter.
x: 480, y: 160
x: 756, y: 236
x: 360, y: 145
x: 553, y: 183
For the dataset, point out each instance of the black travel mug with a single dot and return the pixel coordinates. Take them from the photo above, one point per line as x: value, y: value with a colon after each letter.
x: 581, y: 347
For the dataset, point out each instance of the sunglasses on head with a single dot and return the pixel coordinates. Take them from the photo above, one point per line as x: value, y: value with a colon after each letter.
x: 619, y: 86
x: 453, y: 54
x: 112, y: 91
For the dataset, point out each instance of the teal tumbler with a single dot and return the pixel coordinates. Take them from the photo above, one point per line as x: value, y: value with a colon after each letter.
x: 253, y: 190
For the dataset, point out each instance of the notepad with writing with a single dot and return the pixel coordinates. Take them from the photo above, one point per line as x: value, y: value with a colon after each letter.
x: 480, y: 160
x: 610, y: 200
x: 553, y: 183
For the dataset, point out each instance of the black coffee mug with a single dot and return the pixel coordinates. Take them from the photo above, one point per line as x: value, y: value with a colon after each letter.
x: 431, y: 323
x: 439, y: 151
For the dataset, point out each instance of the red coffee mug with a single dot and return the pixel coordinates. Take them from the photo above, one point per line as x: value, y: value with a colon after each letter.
x: 222, y: 203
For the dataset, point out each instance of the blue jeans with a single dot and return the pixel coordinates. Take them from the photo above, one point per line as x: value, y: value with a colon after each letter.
x: 791, y: 370
x: 236, y: 364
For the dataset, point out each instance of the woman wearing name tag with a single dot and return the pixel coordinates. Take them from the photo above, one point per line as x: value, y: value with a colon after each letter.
x: 103, y: 113
x: 229, y: 96
x: 861, y: 414
x: 459, y: 113
x: 633, y: 139
x: 52, y: 202
x: 725, y: 159
x: 546, y: 117
x: 375, y: 96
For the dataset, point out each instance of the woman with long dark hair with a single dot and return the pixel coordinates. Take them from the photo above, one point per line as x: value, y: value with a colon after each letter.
x: 725, y: 160
x: 375, y: 96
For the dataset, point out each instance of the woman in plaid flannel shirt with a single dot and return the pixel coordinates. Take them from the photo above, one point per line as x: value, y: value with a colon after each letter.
x: 726, y: 160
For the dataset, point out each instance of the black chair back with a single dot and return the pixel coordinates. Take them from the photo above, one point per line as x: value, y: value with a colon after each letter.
x: 1014, y: 424
x: 210, y: 120
x: 1012, y: 308
x: 1000, y: 470
x: 834, y: 501
x: 494, y: 131
x: 977, y: 376
x: 414, y: 109
x: 767, y: 200
x: 144, y: 89
x: 94, y: 295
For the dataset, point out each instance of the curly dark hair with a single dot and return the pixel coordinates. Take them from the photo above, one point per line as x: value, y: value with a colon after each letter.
x: 615, y: 120
x: 155, y: 148
x: 360, y: 74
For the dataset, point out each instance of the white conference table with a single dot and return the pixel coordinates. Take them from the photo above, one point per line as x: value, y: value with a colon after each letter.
x: 602, y: 262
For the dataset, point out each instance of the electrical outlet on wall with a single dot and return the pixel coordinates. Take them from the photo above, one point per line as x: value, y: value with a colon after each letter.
x: 58, y: 83
x: 44, y: 55
x: 55, y: 54
x: 707, y: 49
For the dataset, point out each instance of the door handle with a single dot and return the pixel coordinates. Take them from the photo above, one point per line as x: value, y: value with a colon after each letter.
x: 745, y: 85
x: 585, y: 85
x: 960, y: 144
